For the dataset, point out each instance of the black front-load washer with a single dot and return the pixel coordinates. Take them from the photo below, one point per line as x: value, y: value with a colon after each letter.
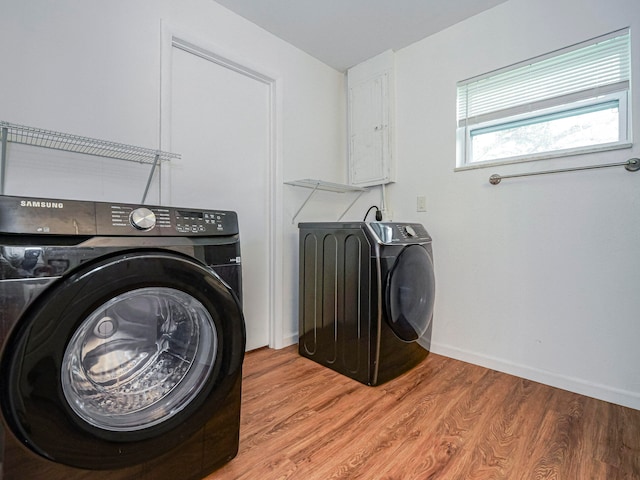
x: 366, y: 297
x: 122, y: 340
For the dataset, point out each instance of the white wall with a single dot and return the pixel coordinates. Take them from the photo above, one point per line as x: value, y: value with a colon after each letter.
x: 537, y: 276
x: 92, y: 68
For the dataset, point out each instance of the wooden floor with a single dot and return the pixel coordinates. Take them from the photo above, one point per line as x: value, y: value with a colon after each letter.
x: 445, y: 419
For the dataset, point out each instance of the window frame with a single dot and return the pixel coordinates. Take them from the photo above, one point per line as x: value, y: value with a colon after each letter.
x: 465, y: 134
x: 514, y: 114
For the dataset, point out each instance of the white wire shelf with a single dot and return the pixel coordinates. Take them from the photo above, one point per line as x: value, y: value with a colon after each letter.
x: 321, y: 185
x: 38, y: 137
x: 74, y: 143
x: 325, y: 186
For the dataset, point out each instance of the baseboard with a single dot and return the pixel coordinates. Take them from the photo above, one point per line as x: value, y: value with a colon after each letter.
x: 285, y: 341
x: 625, y: 398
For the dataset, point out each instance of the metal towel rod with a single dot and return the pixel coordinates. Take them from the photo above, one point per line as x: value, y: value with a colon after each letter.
x: 631, y: 165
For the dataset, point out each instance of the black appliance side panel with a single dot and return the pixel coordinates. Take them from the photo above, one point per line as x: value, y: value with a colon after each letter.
x: 335, y: 323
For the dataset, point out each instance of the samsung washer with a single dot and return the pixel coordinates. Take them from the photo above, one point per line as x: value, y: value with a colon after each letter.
x: 366, y: 297
x: 122, y: 340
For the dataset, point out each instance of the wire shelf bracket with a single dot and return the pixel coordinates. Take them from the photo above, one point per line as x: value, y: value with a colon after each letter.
x: 66, y: 142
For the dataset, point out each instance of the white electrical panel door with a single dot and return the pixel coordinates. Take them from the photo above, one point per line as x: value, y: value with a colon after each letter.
x: 370, y: 153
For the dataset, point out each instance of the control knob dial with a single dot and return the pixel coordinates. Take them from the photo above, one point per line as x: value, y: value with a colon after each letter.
x: 410, y: 231
x: 143, y: 219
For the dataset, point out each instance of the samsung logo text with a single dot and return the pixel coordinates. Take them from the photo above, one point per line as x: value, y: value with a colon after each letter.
x: 40, y: 204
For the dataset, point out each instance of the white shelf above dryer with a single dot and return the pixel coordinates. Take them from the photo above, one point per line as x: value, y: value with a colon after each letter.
x: 320, y: 185
x: 67, y: 142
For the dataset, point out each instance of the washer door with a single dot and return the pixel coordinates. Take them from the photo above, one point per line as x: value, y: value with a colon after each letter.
x: 410, y: 293
x: 122, y: 360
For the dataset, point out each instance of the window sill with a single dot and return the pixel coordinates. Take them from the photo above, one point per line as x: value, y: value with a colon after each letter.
x: 546, y: 156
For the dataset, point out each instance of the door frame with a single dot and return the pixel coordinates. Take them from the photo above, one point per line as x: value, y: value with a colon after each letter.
x: 172, y: 37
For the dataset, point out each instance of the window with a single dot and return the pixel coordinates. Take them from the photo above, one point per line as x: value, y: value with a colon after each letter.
x: 571, y: 101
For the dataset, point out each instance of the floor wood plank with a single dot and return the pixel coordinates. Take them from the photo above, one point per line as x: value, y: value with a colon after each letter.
x: 445, y: 419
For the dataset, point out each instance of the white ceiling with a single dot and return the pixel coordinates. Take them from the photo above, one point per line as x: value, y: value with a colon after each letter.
x: 343, y: 33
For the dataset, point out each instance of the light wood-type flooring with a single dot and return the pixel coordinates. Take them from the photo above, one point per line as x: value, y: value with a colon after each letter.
x: 445, y: 419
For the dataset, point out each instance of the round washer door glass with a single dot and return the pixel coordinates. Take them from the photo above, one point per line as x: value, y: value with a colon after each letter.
x: 139, y: 359
x: 410, y: 293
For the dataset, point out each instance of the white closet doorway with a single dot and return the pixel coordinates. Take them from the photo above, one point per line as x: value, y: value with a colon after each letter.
x: 220, y: 117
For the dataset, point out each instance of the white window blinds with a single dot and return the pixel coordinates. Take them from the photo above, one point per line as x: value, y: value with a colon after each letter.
x: 587, y: 70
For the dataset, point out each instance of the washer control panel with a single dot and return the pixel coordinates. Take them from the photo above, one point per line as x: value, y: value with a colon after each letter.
x: 399, y: 233
x: 126, y: 219
x: 200, y: 221
x: 41, y: 216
